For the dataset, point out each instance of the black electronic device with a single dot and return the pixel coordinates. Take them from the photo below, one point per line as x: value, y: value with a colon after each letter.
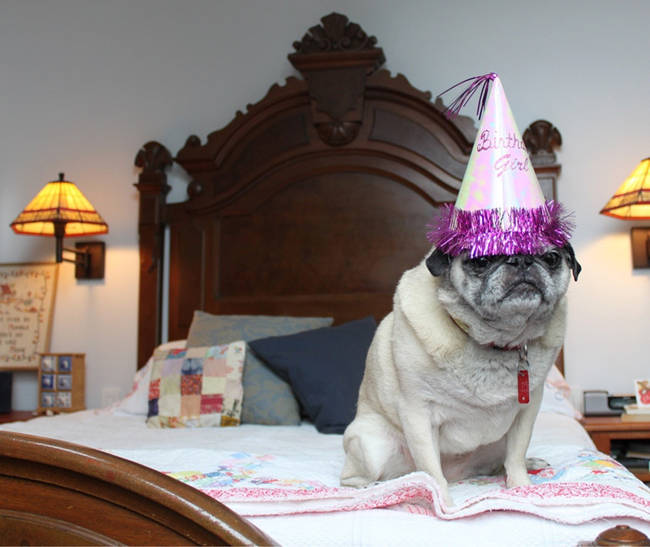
x: 6, y: 379
x: 619, y: 402
x: 601, y: 403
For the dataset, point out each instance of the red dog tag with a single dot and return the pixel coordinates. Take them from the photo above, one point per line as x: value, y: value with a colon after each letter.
x: 523, y: 392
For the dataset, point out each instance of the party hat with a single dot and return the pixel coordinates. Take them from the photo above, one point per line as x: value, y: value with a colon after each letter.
x: 500, y: 208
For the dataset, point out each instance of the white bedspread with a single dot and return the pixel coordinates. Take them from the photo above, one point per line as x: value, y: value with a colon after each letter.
x: 269, y: 473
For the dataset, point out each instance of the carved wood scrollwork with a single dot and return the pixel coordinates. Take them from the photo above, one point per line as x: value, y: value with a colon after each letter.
x: 541, y: 138
x: 335, y: 34
x: 154, y: 159
x: 328, y: 52
x: 337, y: 133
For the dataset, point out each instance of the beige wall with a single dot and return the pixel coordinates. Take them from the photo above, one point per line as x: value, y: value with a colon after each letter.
x: 85, y: 83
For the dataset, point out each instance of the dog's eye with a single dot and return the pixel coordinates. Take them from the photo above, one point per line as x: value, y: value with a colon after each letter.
x: 480, y: 262
x: 552, y: 259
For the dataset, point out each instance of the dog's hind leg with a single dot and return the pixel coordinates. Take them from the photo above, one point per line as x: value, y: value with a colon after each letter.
x: 355, y: 472
x: 373, y: 452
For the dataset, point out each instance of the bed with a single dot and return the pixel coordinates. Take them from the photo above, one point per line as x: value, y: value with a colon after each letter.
x: 301, y: 214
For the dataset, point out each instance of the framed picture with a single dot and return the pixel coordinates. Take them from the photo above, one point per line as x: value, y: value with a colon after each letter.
x: 61, y: 380
x: 642, y: 392
x: 47, y: 381
x: 63, y: 399
x: 65, y: 363
x: 48, y: 363
x: 47, y: 400
x: 26, y: 306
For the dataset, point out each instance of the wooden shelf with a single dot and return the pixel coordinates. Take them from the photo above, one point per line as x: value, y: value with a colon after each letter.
x: 61, y: 382
x: 604, y: 429
x: 16, y: 416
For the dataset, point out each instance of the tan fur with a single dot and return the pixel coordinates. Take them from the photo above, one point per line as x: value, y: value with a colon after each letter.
x: 433, y: 399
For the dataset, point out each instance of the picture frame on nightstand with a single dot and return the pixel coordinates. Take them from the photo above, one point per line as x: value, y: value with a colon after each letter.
x: 642, y: 393
x: 61, y: 382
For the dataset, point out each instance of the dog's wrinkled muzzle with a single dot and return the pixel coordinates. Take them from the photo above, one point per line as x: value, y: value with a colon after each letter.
x: 522, y: 262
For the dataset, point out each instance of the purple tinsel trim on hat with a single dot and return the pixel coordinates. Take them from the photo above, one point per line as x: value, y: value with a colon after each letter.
x: 495, y: 232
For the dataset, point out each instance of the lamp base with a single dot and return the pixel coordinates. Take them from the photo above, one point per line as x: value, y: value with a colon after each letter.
x: 93, y: 268
x: 640, y: 248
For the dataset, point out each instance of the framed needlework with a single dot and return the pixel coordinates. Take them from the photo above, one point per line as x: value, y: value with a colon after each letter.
x: 61, y: 382
x: 26, y: 308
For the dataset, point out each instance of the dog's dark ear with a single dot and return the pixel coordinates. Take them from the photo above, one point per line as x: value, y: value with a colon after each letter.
x: 438, y: 262
x: 573, y: 263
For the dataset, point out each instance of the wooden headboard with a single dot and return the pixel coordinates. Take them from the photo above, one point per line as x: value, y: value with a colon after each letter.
x: 313, y: 201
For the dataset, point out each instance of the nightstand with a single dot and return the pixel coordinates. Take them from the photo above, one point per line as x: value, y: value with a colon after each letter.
x: 16, y: 416
x: 604, y: 429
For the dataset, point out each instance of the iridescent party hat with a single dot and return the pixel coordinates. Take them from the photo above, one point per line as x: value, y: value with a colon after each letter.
x: 500, y: 207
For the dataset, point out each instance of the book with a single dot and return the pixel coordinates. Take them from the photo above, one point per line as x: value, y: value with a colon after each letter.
x: 638, y: 449
x: 637, y: 409
x: 640, y: 417
x: 635, y: 463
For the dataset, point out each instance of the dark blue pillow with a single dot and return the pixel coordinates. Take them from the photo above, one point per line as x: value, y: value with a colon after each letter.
x: 324, y: 368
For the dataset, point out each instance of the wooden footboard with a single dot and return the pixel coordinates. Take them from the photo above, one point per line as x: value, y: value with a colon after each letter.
x: 59, y: 493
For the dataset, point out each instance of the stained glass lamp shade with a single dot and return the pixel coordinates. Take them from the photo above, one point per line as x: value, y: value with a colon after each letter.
x: 632, y: 199
x: 60, y: 210
x: 632, y: 202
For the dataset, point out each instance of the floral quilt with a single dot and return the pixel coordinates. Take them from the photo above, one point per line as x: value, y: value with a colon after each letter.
x: 572, y: 488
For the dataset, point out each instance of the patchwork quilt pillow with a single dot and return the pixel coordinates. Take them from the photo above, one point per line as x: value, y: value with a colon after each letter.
x: 197, y: 387
x: 137, y: 400
x: 268, y: 399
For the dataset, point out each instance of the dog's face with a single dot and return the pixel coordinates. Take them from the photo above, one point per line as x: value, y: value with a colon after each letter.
x: 504, y: 299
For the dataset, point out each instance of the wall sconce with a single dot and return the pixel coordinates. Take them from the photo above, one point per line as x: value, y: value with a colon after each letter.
x: 61, y: 210
x: 632, y: 202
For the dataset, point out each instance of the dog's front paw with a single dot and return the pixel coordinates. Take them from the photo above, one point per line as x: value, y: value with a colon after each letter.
x: 355, y: 481
x: 518, y: 479
x: 446, y: 498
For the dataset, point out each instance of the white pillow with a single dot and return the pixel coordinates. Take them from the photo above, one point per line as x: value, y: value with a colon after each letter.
x: 557, y: 395
x: 137, y: 401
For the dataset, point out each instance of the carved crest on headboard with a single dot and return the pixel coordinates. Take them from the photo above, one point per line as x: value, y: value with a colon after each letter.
x: 541, y: 138
x: 328, y: 52
x: 335, y: 34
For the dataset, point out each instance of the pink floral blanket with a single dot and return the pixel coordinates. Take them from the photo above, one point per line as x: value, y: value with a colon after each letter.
x: 573, y: 488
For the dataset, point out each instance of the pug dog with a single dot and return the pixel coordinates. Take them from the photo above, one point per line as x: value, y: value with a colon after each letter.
x: 455, y: 373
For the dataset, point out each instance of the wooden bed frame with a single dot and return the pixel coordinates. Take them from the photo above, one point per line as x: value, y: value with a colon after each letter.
x: 59, y: 493
x: 310, y: 203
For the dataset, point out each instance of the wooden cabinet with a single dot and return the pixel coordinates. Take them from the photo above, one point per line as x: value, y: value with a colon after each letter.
x: 605, y: 429
x: 61, y: 382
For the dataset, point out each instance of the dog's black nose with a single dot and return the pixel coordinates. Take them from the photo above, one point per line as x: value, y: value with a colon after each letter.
x: 520, y: 261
